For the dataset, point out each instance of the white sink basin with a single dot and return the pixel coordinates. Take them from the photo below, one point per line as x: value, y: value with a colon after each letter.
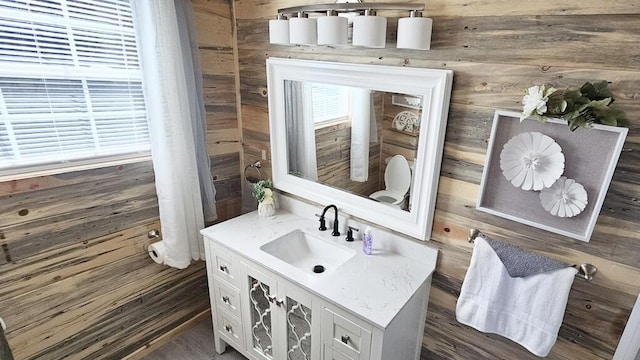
x: 308, y: 252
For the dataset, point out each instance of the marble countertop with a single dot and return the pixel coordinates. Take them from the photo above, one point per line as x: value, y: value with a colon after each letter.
x: 374, y: 287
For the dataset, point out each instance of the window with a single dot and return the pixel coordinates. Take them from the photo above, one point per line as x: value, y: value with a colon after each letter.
x: 329, y: 102
x: 71, y: 91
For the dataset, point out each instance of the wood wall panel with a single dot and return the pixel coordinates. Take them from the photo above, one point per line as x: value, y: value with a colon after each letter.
x: 218, y: 61
x: 497, y: 49
x: 76, y: 281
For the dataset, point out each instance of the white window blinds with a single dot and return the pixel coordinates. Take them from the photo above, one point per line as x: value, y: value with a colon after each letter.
x: 70, y: 84
x: 330, y: 102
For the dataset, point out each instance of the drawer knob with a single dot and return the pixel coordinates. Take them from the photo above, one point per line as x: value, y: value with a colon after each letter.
x: 345, y: 339
x: 225, y: 299
x: 228, y: 328
x: 223, y: 268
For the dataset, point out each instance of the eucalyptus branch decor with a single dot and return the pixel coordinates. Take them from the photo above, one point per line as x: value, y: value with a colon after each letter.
x: 583, y: 107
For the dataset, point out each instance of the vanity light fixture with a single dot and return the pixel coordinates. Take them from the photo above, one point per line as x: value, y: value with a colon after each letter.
x: 330, y: 27
x: 414, y: 32
x: 370, y: 30
x: 279, y: 30
x: 303, y: 30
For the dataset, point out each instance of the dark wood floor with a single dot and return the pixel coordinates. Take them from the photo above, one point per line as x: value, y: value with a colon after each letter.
x: 196, y: 343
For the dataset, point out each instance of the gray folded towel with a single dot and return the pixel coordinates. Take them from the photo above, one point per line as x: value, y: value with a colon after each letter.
x: 519, y: 262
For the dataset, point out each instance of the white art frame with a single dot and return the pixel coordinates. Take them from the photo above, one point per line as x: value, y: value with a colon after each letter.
x: 591, y: 158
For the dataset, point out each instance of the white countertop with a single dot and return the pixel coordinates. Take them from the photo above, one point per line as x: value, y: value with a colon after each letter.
x: 374, y: 287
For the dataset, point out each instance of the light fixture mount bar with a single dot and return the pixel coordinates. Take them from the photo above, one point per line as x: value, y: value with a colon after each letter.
x: 351, y: 7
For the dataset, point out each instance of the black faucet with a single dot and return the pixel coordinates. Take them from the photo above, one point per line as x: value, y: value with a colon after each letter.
x: 323, y: 225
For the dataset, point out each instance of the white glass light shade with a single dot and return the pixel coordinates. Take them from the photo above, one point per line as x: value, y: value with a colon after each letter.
x: 414, y: 33
x: 303, y: 31
x: 332, y: 30
x: 279, y: 31
x: 370, y: 31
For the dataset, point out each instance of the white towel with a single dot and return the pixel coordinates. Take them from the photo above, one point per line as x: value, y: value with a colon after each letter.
x: 527, y: 310
x: 360, y: 133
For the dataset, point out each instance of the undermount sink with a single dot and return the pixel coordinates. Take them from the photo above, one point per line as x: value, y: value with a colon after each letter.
x: 308, y: 252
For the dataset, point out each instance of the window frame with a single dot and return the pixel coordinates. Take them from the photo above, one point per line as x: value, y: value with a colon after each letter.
x: 84, y: 71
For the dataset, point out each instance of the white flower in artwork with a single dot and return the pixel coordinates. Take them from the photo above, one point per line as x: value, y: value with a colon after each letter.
x: 565, y: 198
x: 535, y: 101
x: 532, y: 161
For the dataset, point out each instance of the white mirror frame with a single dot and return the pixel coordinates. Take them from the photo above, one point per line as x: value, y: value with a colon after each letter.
x: 435, y: 88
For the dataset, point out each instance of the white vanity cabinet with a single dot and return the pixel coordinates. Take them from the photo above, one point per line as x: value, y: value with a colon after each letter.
x: 265, y: 316
x: 276, y: 308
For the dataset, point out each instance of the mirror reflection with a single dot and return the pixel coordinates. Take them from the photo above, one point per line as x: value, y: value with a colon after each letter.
x: 357, y: 140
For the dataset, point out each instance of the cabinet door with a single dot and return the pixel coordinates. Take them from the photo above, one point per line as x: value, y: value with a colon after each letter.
x: 259, y: 306
x: 301, y: 323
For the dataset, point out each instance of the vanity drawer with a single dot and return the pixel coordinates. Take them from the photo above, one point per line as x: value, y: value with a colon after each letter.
x: 223, y: 266
x: 346, y: 336
x: 331, y: 354
x: 227, y: 297
x: 230, y: 328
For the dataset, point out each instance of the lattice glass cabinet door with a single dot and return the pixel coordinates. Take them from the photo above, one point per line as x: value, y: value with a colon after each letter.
x: 260, y: 299
x: 298, y: 316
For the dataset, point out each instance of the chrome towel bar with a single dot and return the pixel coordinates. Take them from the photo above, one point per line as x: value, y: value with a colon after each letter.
x: 585, y: 271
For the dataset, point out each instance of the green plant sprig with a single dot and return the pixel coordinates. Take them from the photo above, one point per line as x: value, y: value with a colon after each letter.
x: 580, y: 107
x: 258, y: 189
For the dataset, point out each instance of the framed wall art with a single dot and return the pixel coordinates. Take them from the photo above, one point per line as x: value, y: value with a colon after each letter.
x: 521, y: 180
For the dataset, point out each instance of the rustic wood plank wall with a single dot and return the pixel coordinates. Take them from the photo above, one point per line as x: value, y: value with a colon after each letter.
x: 497, y: 49
x: 218, y: 60
x: 75, y: 278
x: 333, y: 152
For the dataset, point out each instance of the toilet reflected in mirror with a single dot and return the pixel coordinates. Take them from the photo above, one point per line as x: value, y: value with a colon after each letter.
x: 397, y: 181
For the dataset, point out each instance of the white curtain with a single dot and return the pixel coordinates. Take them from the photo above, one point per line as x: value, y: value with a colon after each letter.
x: 301, y: 137
x: 173, y: 94
x: 363, y: 128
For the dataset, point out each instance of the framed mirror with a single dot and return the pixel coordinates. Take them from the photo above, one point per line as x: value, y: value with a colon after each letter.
x: 367, y: 138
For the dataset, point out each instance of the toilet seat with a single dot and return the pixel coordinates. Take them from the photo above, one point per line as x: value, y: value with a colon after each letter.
x: 397, y: 180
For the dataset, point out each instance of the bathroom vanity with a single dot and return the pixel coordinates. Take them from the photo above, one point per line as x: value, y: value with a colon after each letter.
x: 268, y: 303
x: 282, y: 289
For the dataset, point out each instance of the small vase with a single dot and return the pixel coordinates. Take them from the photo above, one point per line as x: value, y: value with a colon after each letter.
x: 266, y: 210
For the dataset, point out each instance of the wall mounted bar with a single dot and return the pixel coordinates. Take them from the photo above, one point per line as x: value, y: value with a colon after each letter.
x: 585, y: 271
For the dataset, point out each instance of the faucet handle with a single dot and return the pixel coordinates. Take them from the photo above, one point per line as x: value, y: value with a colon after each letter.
x: 350, y: 230
x: 323, y: 223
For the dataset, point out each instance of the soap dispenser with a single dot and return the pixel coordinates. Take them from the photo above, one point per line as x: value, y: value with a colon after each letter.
x: 367, y: 241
